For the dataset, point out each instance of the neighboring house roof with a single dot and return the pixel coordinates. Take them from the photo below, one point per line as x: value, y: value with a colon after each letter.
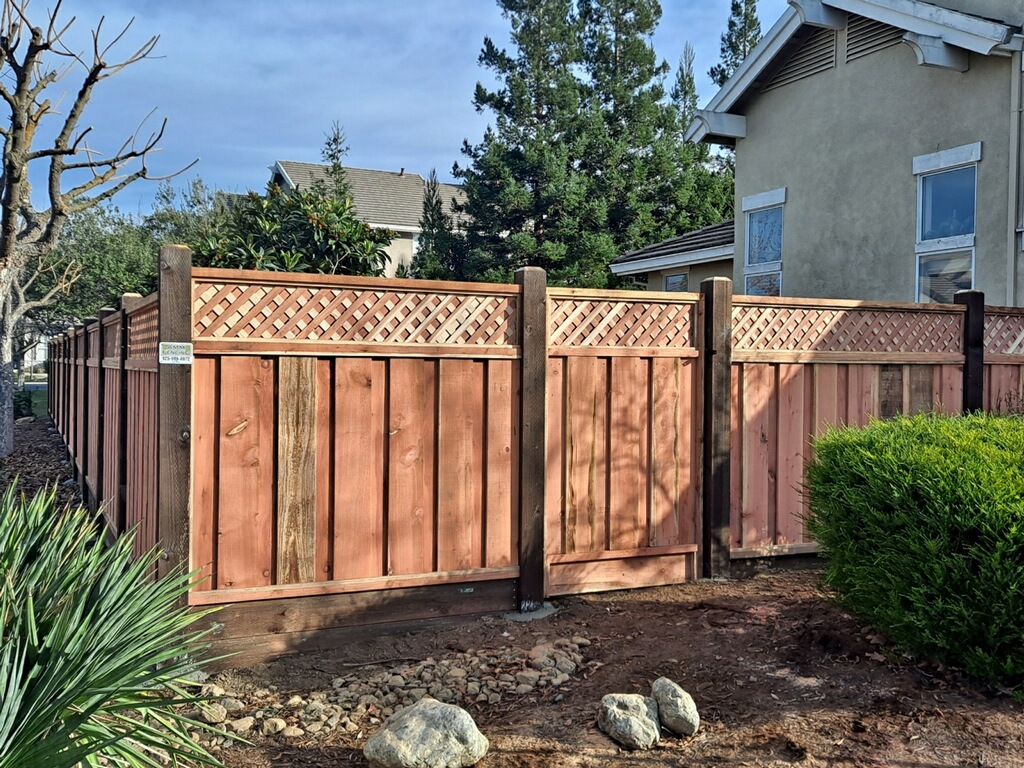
x: 381, y: 198
x: 940, y: 36
x: 712, y: 243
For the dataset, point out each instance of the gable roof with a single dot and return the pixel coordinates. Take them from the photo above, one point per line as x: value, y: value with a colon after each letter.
x: 941, y: 36
x: 708, y: 244
x: 381, y: 198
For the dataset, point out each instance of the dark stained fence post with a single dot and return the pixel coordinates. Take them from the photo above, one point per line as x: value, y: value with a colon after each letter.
x: 974, y: 348
x: 100, y: 399
x: 533, y: 315
x: 86, y: 397
x: 717, y: 356
x: 175, y: 409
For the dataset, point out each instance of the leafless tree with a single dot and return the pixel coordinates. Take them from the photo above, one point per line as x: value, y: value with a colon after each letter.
x: 35, y: 63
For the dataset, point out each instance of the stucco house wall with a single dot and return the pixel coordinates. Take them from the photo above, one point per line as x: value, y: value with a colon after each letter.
x: 842, y: 144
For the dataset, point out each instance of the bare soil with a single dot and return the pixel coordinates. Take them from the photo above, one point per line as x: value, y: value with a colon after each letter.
x: 780, y: 674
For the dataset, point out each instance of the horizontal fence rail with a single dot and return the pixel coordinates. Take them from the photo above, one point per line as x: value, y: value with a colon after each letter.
x: 334, y: 450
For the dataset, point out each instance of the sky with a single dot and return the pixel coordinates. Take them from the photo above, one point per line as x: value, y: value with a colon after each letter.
x: 243, y: 83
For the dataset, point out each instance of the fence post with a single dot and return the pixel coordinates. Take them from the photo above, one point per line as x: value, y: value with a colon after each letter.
x: 533, y: 314
x: 85, y: 398
x: 974, y: 348
x: 175, y: 410
x: 101, y: 401
x: 716, y: 503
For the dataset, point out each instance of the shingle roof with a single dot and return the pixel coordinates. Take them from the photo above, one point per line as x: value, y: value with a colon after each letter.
x: 386, y: 198
x: 714, y: 236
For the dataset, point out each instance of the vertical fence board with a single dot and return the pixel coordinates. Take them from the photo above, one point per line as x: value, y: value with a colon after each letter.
x: 758, y: 433
x: 245, y: 504
x: 737, y: 465
x: 792, y: 446
x: 460, y: 443
x: 324, y: 428
x: 555, y: 461
x: 411, y: 464
x: 360, y: 467
x: 296, y: 471
x: 502, y: 517
x: 627, y: 460
x: 205, y: 429
x: 586, y: 499
x: 669, y: 452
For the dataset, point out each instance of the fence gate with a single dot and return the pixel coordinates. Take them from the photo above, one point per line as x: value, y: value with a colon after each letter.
x: 623, y: 460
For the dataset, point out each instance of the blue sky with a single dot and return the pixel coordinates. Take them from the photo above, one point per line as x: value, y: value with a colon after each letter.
x: 246, y: 82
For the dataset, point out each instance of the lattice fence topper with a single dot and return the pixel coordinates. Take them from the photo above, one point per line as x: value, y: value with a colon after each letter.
x: 1004, y: 334
x: 608, y: 323
x: 144, y: 333
x: 230, y: 311
x: 111, y: 336
x: 821, y: 329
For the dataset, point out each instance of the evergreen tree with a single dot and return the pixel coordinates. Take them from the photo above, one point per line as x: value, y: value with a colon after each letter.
x: 526, y: 200
x: 439, y: 250
x: 586, y: 157
x: 739, y: 39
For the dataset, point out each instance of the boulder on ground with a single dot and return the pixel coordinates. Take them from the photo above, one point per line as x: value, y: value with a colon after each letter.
x: 676, y: 708
x: 630, y: 719
x: 429, y: 734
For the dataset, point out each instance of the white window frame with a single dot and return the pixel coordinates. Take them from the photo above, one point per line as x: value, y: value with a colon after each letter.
x: 931, y: 164
x: 773, y: 198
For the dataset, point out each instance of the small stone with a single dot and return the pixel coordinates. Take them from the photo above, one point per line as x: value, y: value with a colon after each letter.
x: 314, y: 727
x: 494, y: 698
x: 472, y: 688
x: 273, y: 725
x: 428, y: 733
x: 457, y: 673
x: 232, y: 705
x: 292, y: 732
x: 212, y: 713
x: 242, y: 724
x: 582, y: 642
x: 528, y: 677
x: 396, y: 681
x: 213, y: 690
x: 565, y: 665
x: 523, y: 689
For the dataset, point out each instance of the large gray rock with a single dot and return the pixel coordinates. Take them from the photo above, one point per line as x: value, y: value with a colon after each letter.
x: 630, y: 719
x: 676, y: 708
x: 428, y: 734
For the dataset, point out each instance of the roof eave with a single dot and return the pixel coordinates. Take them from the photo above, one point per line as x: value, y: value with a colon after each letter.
x: 688, y: 258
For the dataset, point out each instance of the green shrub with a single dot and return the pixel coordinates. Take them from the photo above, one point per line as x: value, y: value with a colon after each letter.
x: 22, y: 403
x: 921, y: 521
x: 90, y: 647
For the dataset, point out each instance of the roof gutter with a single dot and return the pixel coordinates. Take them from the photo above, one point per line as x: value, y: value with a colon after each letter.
x: 702, y: 256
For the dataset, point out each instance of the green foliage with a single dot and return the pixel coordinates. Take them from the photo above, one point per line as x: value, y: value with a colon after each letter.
x: 90, y: 646
x: 23, y: 403
x: 922, y: 523
x: 114, y: 254
x: 186, y: 216
x: 296, y: 231
x: 440, y: 250
x: 739, y: 39
x: 586, y: 157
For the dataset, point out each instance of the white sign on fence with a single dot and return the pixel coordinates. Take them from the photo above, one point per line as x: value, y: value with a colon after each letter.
x: 175, y: 353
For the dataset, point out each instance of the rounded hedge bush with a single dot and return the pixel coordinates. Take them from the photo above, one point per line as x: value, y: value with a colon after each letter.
x: 921, y: 522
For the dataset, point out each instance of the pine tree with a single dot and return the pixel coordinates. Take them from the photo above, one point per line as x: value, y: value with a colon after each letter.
x: 439, y: 250
x: 742, y: 34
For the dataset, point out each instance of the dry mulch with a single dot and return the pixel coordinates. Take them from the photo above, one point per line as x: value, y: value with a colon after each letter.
x: 782, y: 677
x: 39, y: 462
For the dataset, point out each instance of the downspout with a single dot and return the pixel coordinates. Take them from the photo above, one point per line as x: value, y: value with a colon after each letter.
x: 1015, y: 212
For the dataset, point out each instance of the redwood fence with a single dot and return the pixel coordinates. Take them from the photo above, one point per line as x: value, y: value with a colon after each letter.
x: 338, y: 451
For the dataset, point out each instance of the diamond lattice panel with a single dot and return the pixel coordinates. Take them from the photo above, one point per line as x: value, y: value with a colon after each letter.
x: 604, y: 323
x: 1004, y: 334
x: 844, y: 330
x: 144, y: 333
x: 223, y: 311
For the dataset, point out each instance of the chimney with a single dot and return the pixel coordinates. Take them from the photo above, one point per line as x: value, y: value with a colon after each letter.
x: 401, y: 172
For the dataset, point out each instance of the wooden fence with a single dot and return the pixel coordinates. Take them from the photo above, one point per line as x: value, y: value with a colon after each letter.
x: 332, y: 451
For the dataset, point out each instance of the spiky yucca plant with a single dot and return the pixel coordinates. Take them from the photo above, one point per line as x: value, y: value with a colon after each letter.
x: 90, y: 646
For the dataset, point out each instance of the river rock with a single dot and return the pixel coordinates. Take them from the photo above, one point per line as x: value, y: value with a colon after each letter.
x: 630, y: 719
x: 676, y: 708
x: 429, y: 734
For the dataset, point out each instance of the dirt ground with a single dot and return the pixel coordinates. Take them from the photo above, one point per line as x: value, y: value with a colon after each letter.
x: 780, y: 675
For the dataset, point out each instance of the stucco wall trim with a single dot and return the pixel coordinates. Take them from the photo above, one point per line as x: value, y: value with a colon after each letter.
x: 947, y: 158
x: 764, y: 199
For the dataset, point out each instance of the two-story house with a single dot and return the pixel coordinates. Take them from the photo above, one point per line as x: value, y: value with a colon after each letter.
x: 879, y: 154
